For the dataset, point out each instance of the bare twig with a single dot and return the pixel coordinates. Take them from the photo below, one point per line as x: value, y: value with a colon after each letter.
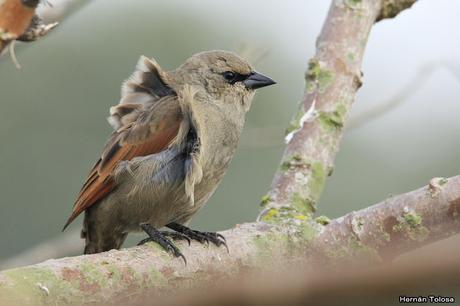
x: 36, y: 30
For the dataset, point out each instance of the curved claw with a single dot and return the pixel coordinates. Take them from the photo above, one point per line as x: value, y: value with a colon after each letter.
x: 217, y: 239
x: 144, y: 241
x: 177, y: 236
x: 160, y: 238
x: 168, y: 246
x: 176, y: 252
x: 221, y: 237
x: 202, y: 237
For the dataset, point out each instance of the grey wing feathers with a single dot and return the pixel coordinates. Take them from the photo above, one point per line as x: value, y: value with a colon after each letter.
x: 146, y: 86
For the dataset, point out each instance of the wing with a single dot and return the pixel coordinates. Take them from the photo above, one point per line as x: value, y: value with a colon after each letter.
x: 147, y: 120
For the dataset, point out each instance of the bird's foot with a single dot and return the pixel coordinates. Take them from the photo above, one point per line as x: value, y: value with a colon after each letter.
x: 161, y: 238
x: 202, y: 237
x: 176, y: 236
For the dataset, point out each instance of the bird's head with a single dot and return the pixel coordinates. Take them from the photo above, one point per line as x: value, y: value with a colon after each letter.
x: 223, y: 75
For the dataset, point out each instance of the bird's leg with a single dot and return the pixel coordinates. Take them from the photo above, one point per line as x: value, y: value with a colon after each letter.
x: 202, y: 237
x: 160, y: 238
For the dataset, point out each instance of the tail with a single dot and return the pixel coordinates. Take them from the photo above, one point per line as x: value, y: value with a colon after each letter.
x: 67, y: 223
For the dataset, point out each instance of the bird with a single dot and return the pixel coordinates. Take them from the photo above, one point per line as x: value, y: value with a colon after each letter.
x: 174, y: 135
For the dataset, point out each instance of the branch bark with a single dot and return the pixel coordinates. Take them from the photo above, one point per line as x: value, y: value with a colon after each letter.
x: 389, y: 228
x: 384, y: 285
x: 332, y: 79
x: 396, y: 225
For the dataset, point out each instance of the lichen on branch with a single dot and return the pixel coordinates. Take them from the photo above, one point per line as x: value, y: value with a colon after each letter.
x: 391, y: 8
x: 332, y: 78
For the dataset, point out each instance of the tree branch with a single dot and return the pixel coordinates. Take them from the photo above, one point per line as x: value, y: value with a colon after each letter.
x: 392, y: 8
x: 397, y: 225
x: 358, y: 285
x: 389, y: 228
x: 332, y: 79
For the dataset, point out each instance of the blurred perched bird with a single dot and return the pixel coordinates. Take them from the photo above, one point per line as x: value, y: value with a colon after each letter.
x: 175, y: 133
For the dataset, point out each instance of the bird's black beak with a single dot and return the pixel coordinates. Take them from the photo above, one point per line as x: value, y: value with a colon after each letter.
x: 257, y: 80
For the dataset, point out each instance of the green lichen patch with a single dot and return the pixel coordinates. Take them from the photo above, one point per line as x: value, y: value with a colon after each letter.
x: 361, y: 250
x: 267, y: 245
x: 330, y: 170
x: 443, y: 181
x: 353, y: 3
x: 436, y: 186
x: 353, y: 249
x: 317, y: 77
x: 323, y: 220
x: 284, y: 214
x: 39, y: 284
x: 265, y: 200
x: 391, y: 8
x: 307, y: 232
x: 351, y: 56
x: 285, y: 166
x: 156, y: 279
x: 278, y: 242
x: 303, y: 204
x: 270, y: 215
x: 94, y: 277
x: 114, y: 273
x: 411, y: 225
x: 333, y: 121
x: 386, y: 237
x: 294, y: 162
x: 301, y: 217
x: 317, y: 180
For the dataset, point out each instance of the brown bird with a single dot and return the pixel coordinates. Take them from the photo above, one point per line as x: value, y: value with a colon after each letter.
x: 175, y: 133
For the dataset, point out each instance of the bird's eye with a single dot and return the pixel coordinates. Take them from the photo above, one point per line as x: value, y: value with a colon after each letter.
x: 229, y: 76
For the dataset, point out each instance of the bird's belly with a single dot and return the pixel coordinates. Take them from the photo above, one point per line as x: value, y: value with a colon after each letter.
x: 149, y: 194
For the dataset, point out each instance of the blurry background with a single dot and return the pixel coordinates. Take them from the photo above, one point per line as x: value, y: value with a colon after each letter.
x: 52, y: 118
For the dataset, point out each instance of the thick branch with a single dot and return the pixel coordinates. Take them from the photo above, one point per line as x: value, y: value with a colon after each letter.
x: 357, y: 285
x: 398, y: 224
x: 391, y: 227
x: 332, y: 79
